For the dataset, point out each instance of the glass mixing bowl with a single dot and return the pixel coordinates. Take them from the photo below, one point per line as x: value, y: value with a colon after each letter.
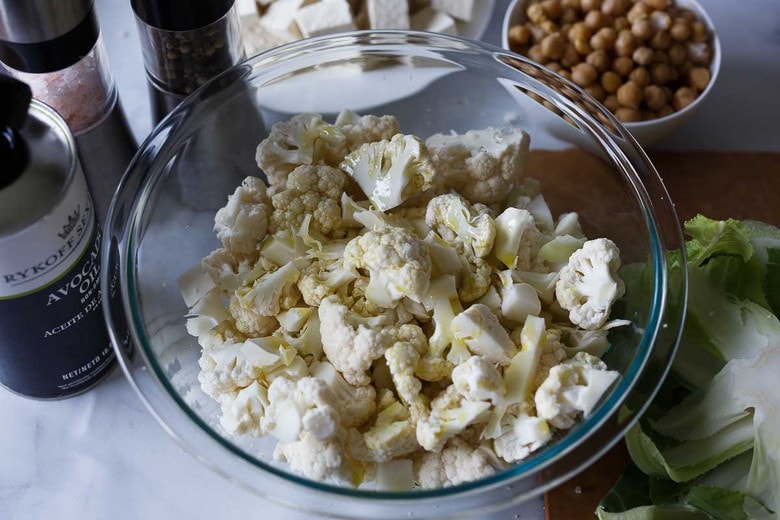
x: 161, y: 223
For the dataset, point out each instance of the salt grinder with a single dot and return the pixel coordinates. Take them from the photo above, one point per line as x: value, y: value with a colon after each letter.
x: 55, y: 47
x: 185, y: 45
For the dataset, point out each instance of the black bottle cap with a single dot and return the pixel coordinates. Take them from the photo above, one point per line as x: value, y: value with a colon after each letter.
x: 15, y: 99
x: 180, y: 15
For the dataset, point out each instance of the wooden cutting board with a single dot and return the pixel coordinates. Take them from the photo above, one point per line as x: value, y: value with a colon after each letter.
x: 718, y: 185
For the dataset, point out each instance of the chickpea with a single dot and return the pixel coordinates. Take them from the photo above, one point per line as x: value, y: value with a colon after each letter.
x: 661, y: 73
x: 570, y: 57
x: 552, y: 8
x: 623, y: 66
x: 553, y: 46
x: 642, y: 29
x: 596, y: 91
x: 519, y: 35
x: 687, y: 15
x: 571, y: 4
x: 583, y: 74
x: 536, y: 54
x: 661, y: 41
x: 683, y: 97
x: 629, y: 95
x: 699, y: 78
x: 638, y: 11
x: 599, y: 60
x: 565, y: 74
x: 591, y: 5
x: 659, y: 5
x: 535, y: 13
x: 677, y: 53
x: 611, y: 82
x: 660, y: 57
x: 640, y: 76
x: 604, y: 39
x: 625, y: 43
x: 699, y: 32
x: 700, y: 53
x: 614, y: 7
x: 595, y: 20
x: 664, y: 111
x: 628, y: 115
x: 660, y: 20
x: 537, y: 33
x: 654, y: 97
x: 680, y: 31
x: 621, y: 23
x: 578, y: 31
x: 549, y: 27
x: 569, y: 16
x: 643, y: 55
x: 611, y: 102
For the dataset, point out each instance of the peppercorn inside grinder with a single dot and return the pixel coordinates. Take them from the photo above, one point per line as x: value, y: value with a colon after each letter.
x: 55, y: 47
x: 183, y: 48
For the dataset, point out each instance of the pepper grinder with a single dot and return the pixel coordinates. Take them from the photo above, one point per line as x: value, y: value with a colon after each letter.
x: 55, y: 47
x: 184, y: 45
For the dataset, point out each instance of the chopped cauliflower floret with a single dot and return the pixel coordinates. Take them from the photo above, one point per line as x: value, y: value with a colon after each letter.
x: 399, y: 264
x: 390, y: 172
x: 589, y: 284
x: 517, y: 240
x: 521, y: 435
x: 356, y: 404
x: 272, y: 292
x: 303, y: 140
x: 552, y: 353
x: 249, y: 321
x: 242, y: 415
x: 572, y: 388
x: 481, y: 165
x: 402, y: 358
x: 369, y: 128
x: 321, y: 279
x: 478, y: 379
x: 457, y: 463
x: 451, y: 413
x: 320, y: 459
x: 352, y: 342
x: 481, y: 331
x: 242, y: 223
x: 455, y: 220
x: 392, y: 434
x: 475, y: 278
x: 305, y: 405
x: 310, y: 190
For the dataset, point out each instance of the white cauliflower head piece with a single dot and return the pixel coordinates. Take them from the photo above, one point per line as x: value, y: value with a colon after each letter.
x: 310, y: 190
x: 352, y: 342
x: 243, y: 222
x: 398, y: 262
x: 481, y: 165
x: 304, y: 139
x: 457, y: 463
x: 305, y: 405
x: 360, y: 130
x: 521, y: 434
x: 455, y: 219
x: 589, y: 283
x: 573, y: 388
x: 390, y: 172
x: 450, y: 415
x: 478, y: 379
x: 243, y: 415
x: 481, y: 331
x: 356, y: 404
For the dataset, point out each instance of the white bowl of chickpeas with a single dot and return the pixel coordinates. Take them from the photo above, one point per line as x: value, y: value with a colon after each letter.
x: 650, y: 62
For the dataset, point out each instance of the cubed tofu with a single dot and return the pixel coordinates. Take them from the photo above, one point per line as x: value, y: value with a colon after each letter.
x: 460, y: 9
x: 434, y: 21
x: 388, y: 14
x: 279, y: 19
x: 257, y: 38
x: 324, y: 17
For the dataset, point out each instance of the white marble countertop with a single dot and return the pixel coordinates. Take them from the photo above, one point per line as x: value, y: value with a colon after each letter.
x: 101, y: 455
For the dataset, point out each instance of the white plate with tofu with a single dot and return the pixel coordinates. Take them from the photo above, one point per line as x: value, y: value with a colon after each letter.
x: 268, y: 23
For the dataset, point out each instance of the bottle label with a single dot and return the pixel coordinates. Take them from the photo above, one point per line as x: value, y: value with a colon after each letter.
x: 53, y: 339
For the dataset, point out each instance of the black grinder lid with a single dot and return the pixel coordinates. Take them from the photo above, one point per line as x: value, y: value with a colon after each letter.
x: 180, y: 15
x: 15, y: 97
